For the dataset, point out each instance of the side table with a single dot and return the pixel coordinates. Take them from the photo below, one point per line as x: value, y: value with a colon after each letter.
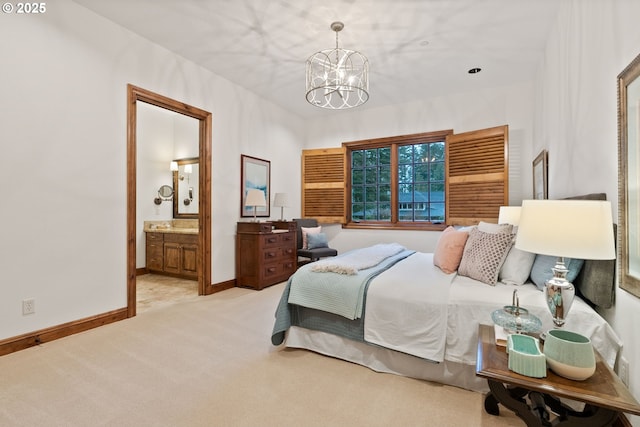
x: 604, y: 394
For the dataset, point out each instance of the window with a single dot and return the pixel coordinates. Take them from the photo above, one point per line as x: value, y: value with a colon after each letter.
x: 419, y: 181
x: 398, y: 181
x: 419, y: 186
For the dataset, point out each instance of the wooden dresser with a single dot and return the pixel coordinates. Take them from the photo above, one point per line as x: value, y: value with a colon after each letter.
x: 265, y: 253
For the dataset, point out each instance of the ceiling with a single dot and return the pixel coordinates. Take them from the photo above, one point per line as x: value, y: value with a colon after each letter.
x: 416, y: 48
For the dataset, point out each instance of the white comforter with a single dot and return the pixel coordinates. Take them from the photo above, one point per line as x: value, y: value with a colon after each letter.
x: 415, y: 308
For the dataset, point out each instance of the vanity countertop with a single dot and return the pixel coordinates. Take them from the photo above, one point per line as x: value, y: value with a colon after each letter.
x: 175, y: 230
x: 175, y: 226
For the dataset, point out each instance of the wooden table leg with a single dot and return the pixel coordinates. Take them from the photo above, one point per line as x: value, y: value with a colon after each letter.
x: 518, y: 406
x: 537, y: 414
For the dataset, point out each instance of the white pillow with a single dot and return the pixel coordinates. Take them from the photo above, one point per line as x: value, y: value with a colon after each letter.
x: 517, y: 267
x: 487, y: 227
x: 309, y: 230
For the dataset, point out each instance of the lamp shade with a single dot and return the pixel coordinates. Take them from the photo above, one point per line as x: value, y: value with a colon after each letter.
x: 580, y: 229
x: 173, y: 166
x: 509, y: 215
x: 280, y: 200
x: 255, y: 197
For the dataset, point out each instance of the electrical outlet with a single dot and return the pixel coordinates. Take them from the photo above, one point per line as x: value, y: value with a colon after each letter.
x: 28, y: 306
x: 623, y: 371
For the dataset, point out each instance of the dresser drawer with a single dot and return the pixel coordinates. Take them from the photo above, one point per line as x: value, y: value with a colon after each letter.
x: 278, y: 270
x: 271, y: 240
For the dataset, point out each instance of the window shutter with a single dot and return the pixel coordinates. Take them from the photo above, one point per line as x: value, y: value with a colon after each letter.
x: 323, y: 185
x: 477, y: 181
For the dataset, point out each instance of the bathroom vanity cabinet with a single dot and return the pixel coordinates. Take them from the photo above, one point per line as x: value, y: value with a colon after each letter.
x: 175, y: 254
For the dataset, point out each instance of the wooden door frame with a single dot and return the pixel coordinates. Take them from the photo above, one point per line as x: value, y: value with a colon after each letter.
x: 135, y: 94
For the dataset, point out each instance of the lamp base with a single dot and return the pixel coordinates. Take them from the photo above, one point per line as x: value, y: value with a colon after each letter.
x: 559, y: 293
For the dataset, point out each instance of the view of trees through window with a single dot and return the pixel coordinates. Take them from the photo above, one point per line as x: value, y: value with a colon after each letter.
x: 420, y: 188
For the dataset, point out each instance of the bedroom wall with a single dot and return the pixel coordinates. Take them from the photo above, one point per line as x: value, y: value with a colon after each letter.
x: 512, y: 105
x: 576, y: 120
x: 63, y: 126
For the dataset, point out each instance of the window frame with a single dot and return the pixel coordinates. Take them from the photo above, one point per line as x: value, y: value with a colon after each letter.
x: 392, y: 143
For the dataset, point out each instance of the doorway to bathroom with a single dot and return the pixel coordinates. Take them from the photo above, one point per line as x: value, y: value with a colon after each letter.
x: 138, y: 97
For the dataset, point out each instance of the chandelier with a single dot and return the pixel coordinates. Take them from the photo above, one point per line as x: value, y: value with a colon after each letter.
x: 337, y: 78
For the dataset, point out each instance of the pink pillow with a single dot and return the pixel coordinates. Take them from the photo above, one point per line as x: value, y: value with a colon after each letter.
x: 449, y: 249
x: 309, y: 230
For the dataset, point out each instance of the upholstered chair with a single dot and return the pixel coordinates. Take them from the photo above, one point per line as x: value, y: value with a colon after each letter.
x: 317, y: 246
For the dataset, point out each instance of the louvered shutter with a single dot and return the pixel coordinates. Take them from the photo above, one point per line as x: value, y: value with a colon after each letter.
x: 323, y: 185
x: 477, y: 181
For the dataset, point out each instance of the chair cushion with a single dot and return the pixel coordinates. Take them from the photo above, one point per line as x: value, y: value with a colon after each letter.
x: 317, y: 253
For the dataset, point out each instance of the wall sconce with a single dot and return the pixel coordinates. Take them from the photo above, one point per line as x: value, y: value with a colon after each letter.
x: 189, y: 199
x: 164, y: 193
x: 188, y: 170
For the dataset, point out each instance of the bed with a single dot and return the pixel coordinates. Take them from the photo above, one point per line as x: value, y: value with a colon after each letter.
x: 415, y: 319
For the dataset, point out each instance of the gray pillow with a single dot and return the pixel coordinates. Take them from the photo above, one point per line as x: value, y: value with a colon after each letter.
x: 541, y: 270
x: 318, y: 240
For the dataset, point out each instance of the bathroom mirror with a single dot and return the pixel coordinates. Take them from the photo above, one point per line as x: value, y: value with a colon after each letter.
x: 185, y: 183
x: 164, y: 193
x: 629, y: 176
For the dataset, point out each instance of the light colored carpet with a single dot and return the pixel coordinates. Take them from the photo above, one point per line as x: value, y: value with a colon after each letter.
x: 209, y: 362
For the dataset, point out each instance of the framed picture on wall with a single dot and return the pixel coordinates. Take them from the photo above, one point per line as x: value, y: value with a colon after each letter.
x: 540, y: 176
x: 256, y: 174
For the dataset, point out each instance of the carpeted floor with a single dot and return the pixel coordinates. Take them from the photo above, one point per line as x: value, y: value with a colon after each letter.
x: 209, y: 362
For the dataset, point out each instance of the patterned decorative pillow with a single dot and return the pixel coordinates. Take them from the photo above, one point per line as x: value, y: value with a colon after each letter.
x: 484, y: 254
x: 306, y: 231
x: 449, y: 249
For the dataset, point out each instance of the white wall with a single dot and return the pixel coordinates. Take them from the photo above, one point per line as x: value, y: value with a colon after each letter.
x: 512, y: 105
x: 576, y: 120
x: 63, y: 127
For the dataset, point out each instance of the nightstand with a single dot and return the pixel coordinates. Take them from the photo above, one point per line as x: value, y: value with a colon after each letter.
x: 604, y: 395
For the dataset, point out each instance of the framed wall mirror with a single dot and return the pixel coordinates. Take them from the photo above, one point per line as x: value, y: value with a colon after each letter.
x: 185, y: 183
x: 629, y: 177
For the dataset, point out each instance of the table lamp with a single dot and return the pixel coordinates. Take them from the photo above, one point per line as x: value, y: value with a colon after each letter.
x: 255, y: 198
x: 581, y: 229
x: 280, y: 200
x: 509, y: 215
